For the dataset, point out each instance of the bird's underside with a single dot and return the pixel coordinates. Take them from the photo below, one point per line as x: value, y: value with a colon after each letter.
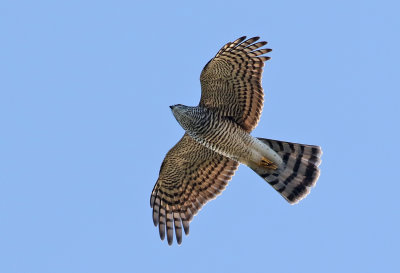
x: 218, y: 139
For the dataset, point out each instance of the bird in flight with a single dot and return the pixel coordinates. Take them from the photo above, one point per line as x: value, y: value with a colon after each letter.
x: 217, y: 139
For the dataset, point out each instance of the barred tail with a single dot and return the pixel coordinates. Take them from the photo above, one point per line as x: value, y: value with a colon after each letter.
x: 298, y: 172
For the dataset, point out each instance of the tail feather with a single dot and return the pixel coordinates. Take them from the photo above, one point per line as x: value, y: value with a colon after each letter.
x: 298, y: 172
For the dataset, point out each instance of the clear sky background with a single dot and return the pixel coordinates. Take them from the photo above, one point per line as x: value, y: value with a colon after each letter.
x: 85, y: 124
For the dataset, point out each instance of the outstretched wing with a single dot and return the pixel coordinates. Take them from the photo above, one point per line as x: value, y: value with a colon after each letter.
x: 190, y: 176
x: 231, y: 81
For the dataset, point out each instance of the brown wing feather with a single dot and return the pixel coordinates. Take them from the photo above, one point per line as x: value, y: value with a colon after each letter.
x: 231, y: 81
x: 190, y: 176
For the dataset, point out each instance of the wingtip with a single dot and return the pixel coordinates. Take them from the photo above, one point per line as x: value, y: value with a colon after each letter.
x: 155, y: 221
x: 254, y: 39
x: 186, y: 227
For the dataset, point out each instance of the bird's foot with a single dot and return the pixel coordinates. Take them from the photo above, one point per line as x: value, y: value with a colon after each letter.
x: 266, y: 163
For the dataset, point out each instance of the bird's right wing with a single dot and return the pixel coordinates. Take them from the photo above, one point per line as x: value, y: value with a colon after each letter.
x: 190, y: 176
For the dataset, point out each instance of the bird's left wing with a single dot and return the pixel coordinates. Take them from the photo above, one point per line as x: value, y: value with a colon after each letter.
x: 231, y: 81
x: 190, y: 176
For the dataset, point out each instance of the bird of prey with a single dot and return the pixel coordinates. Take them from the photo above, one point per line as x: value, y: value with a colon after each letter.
x: 217, y: 139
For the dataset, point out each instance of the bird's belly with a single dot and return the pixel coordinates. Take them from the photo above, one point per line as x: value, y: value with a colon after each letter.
x: 228, y: 139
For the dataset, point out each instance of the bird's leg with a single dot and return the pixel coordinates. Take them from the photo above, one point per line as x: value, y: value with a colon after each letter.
x: 266, y: 163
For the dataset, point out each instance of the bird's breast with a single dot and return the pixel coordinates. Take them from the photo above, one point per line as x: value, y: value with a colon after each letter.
x: 221, y: 135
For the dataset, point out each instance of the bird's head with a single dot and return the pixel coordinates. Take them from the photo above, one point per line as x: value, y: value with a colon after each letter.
x: 178, y: 109
x: 187, y: 116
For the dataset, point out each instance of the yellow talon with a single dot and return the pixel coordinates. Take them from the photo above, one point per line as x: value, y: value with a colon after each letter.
x: 266, y: 163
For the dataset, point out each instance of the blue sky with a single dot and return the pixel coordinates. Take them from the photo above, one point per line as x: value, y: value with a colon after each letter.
x: 85, y: 124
